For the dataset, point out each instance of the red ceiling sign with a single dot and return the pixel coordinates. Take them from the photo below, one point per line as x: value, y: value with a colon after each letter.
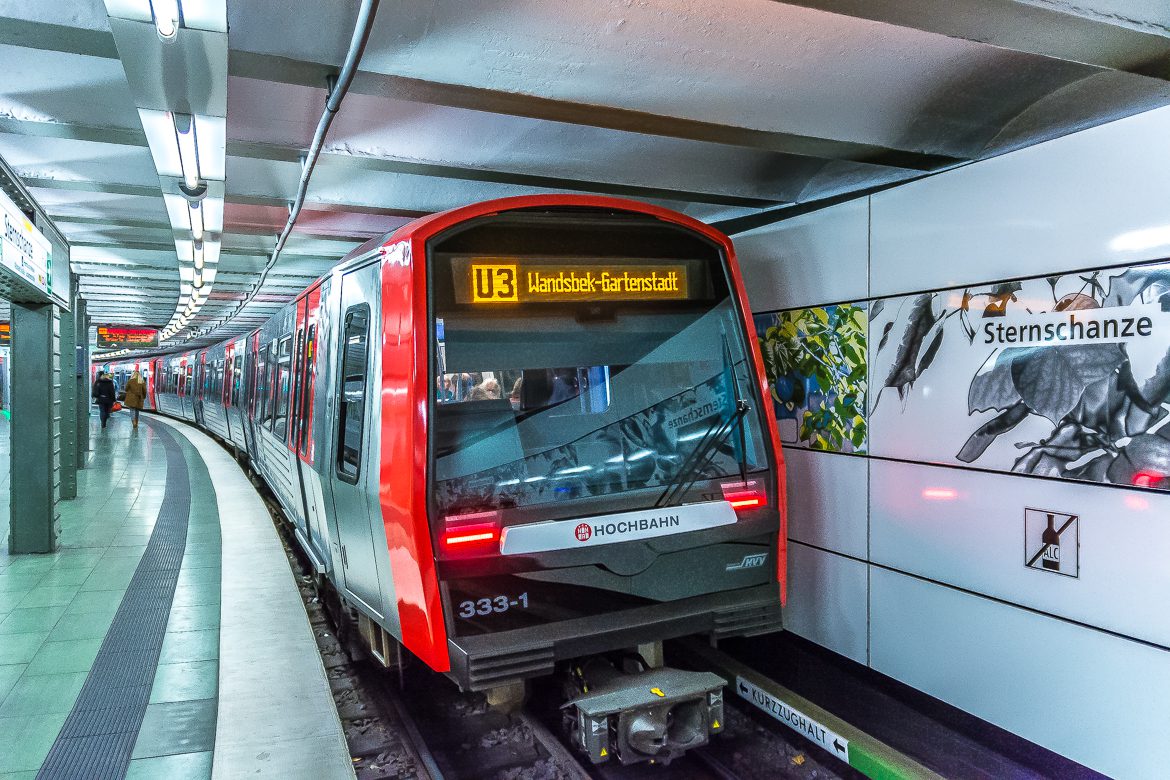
x: 111, y: 336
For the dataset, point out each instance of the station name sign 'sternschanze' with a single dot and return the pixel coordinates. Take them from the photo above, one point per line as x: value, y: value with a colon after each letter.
x: 1086, y: 326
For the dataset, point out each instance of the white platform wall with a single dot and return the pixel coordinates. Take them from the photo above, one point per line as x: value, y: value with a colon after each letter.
x: 935, y: 593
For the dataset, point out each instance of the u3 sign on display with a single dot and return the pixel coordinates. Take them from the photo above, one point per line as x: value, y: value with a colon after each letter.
x: 1062, y: 376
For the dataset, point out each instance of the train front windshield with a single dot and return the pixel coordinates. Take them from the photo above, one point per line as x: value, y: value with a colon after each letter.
x: 569, y: 385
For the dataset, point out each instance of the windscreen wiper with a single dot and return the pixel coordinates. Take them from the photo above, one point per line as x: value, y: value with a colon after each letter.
x: 692, y: 467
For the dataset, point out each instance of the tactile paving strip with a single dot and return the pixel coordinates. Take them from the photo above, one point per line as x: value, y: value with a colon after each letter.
x: 99, y: 734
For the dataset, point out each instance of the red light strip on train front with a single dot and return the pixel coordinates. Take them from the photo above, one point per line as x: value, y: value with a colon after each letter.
x: 471, y: 534
x: 744, y: 495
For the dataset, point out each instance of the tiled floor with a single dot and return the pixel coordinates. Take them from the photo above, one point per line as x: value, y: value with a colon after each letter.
x: 55, y: 610
x: 239, y: 689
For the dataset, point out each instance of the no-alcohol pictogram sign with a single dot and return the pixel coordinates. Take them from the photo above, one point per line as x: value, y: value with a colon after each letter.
x: 1052, y: 541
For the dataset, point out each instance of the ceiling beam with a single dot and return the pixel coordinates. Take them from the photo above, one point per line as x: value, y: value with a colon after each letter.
x: 112, y: 188
x: 254, y: 150
x: 285, y: 70
x: 231, y: 251
x: 260, y: 151
x: 1046, y: 30
x: 62, y: 218
x: 311, y: 74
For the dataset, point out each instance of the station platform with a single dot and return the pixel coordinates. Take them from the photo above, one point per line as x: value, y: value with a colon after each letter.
x: 166, y: 637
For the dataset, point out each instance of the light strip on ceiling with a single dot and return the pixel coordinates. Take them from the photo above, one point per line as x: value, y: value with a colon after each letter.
x: 166, y: 18
x: 196, y: 221
x: 185, y: 138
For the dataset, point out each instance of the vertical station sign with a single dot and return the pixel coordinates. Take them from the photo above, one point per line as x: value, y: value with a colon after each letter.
x: 24, y: 250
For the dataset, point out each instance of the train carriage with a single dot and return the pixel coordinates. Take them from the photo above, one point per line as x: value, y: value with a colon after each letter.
x: 516, y: 434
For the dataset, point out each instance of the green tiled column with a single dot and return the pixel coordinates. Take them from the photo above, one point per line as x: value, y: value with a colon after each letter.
x: 81, y: 378
x: 69, y: 391
x: 36, y: 391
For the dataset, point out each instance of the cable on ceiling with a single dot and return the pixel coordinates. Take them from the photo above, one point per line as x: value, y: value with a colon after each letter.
x: 338, y: 86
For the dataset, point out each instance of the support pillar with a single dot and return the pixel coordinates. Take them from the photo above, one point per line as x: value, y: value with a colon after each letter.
x: 69, y: 394
x: 36, y: 410
x: 81, y: 373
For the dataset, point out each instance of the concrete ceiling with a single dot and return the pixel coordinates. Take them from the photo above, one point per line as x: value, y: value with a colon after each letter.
x: 722, y: 109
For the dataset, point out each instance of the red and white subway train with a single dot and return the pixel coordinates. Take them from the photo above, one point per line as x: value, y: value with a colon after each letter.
x: 515, y: 435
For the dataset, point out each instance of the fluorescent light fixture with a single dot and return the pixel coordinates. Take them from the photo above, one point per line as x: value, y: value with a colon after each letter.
x: 197, y: 282
x: 196, y: 221
x: 199, y: 255
x: 212, y: 146
x: 166, y: 18
x: 137, y: 10
x: 160, y: 134
x: 210, y: 15
x: 212, y: 208
x: 185, y: 137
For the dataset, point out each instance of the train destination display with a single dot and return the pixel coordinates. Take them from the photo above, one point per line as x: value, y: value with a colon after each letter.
x: 505, y: 280
x: 114, y: 337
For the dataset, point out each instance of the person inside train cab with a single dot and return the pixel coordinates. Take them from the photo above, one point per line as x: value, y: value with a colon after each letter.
x: 488, y: 390
x: 135, y: 395
x: 105, y: 392
x: 514, y: 396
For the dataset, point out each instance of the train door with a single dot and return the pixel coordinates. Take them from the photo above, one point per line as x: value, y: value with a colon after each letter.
x: 300, y: 439
x: 254, y: 393
x: 225, y: 387
x: 354, y: 477
x: 189, y: 383
x: 201, y: 379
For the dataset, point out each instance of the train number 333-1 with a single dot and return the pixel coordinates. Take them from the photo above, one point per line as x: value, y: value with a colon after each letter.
x: 487, y: 606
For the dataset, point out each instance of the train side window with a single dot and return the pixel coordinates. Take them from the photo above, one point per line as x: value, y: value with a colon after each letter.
x: 269, y: 383
x: 351, y: 410
x: 307, y: 394
x: 260, y: 388
x: 237, y: 378
x: 283, y: 377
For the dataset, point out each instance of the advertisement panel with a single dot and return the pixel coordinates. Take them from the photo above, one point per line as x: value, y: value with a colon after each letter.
x: 1062, y: 376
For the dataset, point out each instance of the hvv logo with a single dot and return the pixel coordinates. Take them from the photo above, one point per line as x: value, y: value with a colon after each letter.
x: 751, y: 561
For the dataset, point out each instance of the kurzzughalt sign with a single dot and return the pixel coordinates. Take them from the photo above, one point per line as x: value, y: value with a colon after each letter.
x: 23, y: 249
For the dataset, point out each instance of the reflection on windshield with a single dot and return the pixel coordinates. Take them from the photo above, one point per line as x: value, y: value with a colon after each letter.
x: 528, y: 435
x: 642, y: 450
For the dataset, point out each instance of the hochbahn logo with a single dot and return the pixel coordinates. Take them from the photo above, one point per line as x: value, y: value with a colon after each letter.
x: 584, y: 531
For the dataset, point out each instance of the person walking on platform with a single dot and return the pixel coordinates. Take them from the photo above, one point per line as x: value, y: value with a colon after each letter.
x: 104, y: 394
x: 135, y: 395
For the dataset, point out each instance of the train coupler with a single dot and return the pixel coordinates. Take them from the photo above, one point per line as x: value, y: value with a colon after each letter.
x: 652, y: 715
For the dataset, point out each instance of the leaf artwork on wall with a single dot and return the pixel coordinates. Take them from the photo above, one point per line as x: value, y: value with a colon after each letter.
x: 815, y: 360
x: 1104, y: 404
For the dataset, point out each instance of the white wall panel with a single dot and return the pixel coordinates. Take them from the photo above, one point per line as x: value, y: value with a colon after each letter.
x: 1096, y: 698
x: 827, y: 504
x: 827, y: 600
x: 1089, y: 199
x: 816, y: 258
x: 971, y: 534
